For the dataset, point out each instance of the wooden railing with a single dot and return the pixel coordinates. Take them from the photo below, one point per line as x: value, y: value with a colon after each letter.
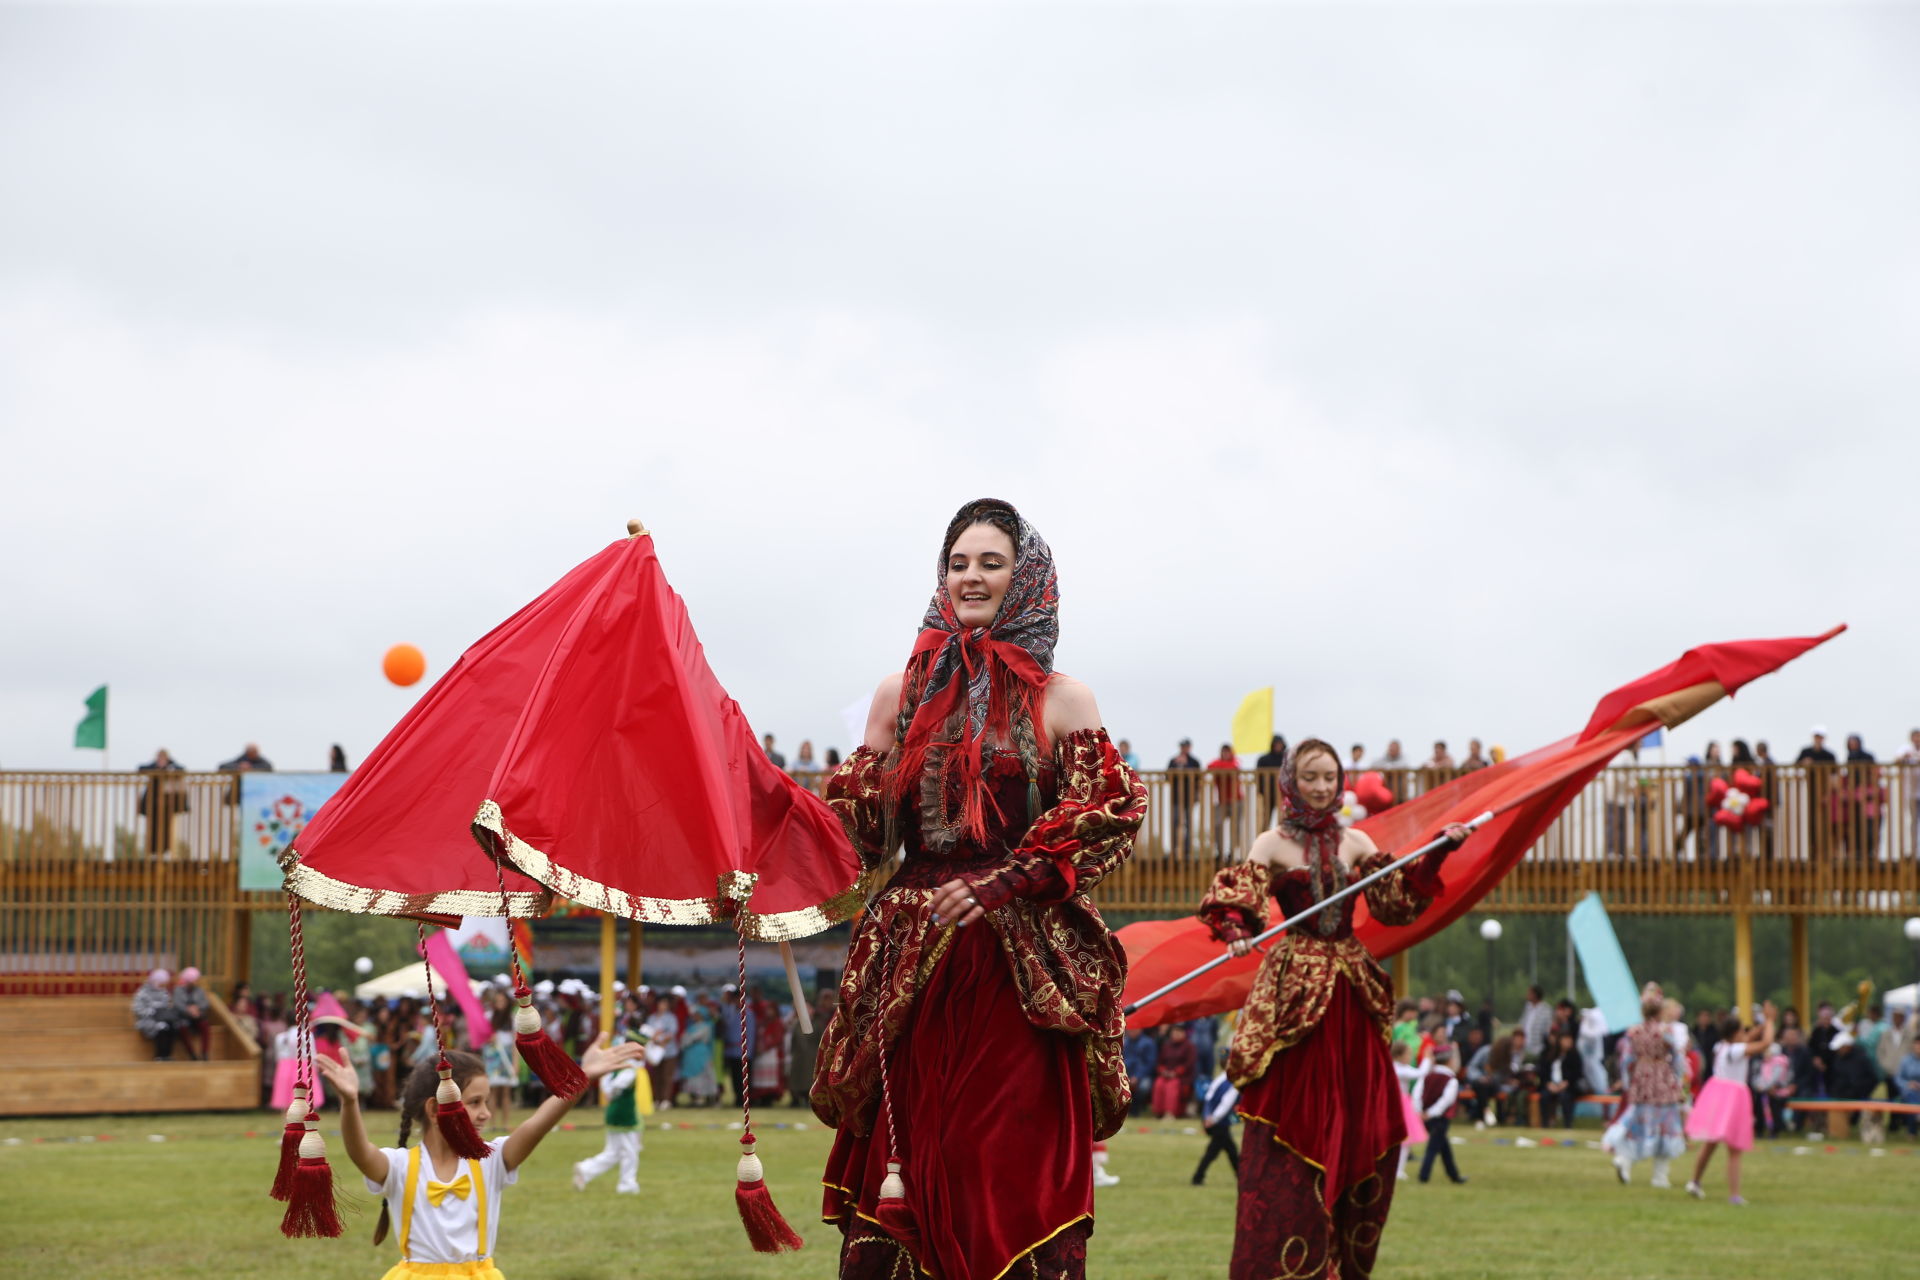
x: 1839, y: 840
x: 104, y: 876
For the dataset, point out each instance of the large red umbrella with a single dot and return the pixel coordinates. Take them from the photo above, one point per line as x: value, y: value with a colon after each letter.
x: 585, y: 748
x: 1525, y: 794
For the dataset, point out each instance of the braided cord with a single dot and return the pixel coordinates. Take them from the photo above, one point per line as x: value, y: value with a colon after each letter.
x: 433, y: 1001
x: 746, y: 1063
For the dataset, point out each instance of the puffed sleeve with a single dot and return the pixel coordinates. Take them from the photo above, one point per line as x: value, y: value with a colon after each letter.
x: 1088, y: 833
x: 1404, y: 896
x: 1236, y: 903
x: 857, y: 795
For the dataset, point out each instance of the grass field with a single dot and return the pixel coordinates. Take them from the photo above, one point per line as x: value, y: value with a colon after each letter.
x: 195, y: 1204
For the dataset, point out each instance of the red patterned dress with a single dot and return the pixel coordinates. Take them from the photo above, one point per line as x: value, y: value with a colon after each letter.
x: 1001, y: 1039
x: 1317, y: 1086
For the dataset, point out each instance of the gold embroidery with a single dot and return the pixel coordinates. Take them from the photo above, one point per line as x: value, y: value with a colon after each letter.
x: 490, y: 829
x: 1067, y: 967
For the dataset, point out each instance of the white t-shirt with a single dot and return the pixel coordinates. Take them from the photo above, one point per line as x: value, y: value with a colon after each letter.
x: 1730, y: 1061
x: 450, y: 1231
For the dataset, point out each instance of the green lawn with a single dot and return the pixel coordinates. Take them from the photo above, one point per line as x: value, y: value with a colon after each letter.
x: 124, y: 1205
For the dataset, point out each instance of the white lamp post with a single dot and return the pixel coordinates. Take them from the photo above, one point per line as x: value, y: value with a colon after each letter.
x: 1490, y: 930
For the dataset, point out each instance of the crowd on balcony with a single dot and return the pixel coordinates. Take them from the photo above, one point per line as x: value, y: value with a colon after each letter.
x: 1839, y: 812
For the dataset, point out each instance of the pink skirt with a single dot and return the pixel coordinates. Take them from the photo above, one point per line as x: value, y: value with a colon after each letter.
x: 1723, y: 1113
x: 1416, y: 1123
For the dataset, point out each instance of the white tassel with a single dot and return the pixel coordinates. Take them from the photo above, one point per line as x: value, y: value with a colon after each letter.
x: 526, y: 1019
x: 312, y: 1145
x: 297, y: 1110
x: 750, y: 1169
x: 893, y: 1187
x: 448, y: 1094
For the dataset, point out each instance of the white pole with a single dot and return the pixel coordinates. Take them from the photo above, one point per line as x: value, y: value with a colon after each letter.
x: 1291, y: 921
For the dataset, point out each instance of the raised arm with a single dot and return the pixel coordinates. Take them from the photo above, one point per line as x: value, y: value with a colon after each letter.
x: 1404, y: 896
x: 370, y: 1160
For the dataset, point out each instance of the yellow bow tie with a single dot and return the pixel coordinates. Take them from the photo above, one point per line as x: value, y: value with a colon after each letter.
x: 459, y: 1188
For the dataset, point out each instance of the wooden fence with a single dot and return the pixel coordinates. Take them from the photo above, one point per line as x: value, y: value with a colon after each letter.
x: 104, y: 876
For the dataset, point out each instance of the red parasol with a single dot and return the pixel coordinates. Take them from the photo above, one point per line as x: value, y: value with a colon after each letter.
x: 1525, y: 793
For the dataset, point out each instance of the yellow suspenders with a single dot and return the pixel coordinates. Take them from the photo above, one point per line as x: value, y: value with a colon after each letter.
x: 413, y: 1188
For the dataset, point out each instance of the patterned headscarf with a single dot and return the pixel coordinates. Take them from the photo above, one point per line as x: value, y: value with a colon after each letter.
x: 1317, y: 830
x: 990, y: 680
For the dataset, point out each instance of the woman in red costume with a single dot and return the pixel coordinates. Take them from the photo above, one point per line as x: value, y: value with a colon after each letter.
x: 977, y: 1042
x: 1317, y: 1085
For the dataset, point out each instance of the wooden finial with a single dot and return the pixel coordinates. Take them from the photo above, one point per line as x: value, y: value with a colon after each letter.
x: 635, y: 528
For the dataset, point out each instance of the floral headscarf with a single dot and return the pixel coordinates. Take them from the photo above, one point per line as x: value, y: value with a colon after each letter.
x: 1317, y: 830
x: 987, y: 682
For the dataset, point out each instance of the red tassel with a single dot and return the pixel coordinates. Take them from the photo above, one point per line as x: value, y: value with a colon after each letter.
x: 559, y: 1073
x: 455, y: 1125
x: 311, y: 1212
x: 289, y: 1161
x: 766, y: 1229
x: 290, y: 1144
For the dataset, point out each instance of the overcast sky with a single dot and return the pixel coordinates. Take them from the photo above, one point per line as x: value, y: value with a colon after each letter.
x: 1443, y: 367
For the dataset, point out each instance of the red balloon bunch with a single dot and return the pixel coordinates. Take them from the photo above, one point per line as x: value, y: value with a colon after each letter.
x: 1738, y: 805
x: 1373, y: 793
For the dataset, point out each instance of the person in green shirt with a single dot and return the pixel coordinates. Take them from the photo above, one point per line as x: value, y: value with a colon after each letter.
x: 623, y: 1136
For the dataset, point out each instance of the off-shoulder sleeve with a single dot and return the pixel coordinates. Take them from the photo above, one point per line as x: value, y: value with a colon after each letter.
x: 857, y: 795
x: 1404, y: 896
x: 1088, y: 833
x: 1236, y: 903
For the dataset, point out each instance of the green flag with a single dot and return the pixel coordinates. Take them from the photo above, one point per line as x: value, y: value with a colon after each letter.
x: 92, y: 732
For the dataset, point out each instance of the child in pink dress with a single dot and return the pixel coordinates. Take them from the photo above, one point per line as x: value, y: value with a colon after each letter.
x: 1723, y: 1111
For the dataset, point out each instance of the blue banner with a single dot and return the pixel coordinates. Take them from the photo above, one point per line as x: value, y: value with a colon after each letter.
x: 274, y: 808
x: 1615, y: 993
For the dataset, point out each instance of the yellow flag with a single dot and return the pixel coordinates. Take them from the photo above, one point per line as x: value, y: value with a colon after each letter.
x: 1253, y: 723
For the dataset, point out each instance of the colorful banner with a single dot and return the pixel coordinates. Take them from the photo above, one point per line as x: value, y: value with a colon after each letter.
x: 274, y: 808
x: 453, y: 976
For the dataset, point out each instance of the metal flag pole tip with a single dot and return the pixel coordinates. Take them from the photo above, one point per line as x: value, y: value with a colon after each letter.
x: 1473, y: 824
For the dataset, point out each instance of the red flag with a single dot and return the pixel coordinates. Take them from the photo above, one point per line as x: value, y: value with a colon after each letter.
x: 1526, y: 793
x: 522, y: 935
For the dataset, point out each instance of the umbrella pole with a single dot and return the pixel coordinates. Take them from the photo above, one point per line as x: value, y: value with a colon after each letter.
x: 1291, y: 921
x: 608, y: 933
x: 800, y: 1009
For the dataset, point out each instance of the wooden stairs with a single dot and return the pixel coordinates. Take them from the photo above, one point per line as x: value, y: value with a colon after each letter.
x: 79, y: 1054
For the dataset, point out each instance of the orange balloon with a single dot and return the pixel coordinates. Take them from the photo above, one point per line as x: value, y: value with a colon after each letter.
x: 404, y: 664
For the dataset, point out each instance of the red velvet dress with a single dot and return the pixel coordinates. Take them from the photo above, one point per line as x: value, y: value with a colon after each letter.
x: 1317, y: 1087
x: 1001, y: 1040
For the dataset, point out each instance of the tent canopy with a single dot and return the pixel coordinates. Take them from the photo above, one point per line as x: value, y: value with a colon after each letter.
x: 408, y: 980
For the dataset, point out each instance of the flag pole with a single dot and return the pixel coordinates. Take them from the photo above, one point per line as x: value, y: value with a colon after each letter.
x: 1473, y: 824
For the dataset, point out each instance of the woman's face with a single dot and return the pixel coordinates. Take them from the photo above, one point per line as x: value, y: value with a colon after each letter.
x: 1318, y: 777
x: 979, y: 570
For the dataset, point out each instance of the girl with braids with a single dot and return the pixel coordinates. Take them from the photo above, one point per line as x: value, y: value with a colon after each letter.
x: 975, y: 1058
x: 448, y: 1209
x: 1317, y: 1085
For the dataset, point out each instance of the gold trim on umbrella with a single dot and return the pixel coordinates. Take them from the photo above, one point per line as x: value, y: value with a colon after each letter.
x: 323, y: 890
x: 490, y: 829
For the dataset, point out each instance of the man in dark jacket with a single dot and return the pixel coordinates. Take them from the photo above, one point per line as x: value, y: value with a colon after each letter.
x: 1269, y: 766
x: 1850, y: 1073
x: 1183, y: 792
x: 161, y: 801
